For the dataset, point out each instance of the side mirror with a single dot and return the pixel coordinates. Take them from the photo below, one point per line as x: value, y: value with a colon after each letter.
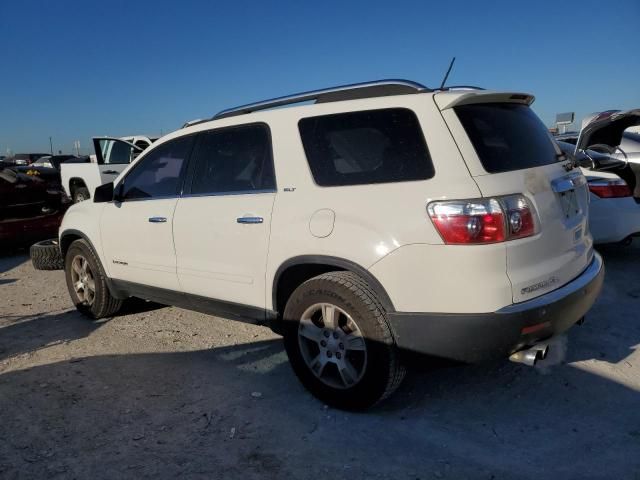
x: 118, y: 195
x: 104, y: 193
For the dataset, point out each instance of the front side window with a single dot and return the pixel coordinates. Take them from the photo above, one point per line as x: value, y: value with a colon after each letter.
x: 233, y: 160
x: 374, y: 146
x: 158, y: 174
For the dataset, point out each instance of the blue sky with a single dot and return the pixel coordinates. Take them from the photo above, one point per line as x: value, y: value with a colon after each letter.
x: 74, y: 69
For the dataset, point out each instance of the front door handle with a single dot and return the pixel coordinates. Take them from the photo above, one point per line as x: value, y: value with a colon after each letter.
x: 250, y: 220
x: 157, y: 219
x: 110, y: 172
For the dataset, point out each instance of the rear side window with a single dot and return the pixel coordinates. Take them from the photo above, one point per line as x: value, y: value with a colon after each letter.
x: 233, y: 160
x: 356, y: 148
x: 507, y: 136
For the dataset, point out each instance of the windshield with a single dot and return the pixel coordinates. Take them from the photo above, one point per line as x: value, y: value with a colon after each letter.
x: 507, y: 136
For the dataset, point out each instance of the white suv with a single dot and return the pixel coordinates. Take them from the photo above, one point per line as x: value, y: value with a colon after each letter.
x: 384, y: 218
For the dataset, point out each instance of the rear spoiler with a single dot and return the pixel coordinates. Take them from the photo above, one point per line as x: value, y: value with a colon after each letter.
x: 452, y: 99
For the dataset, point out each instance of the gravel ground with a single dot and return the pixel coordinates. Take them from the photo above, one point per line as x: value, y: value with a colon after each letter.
x: 161, y: 392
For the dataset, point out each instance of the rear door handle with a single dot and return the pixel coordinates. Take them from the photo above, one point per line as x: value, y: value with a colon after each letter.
x: 157, y: 219
x: 110, y: 172
x: 250, y: 220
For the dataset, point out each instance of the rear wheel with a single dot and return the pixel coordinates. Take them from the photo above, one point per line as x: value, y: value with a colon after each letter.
x: 339, y: 343
x: 80, y: 194
x: 86, y: 282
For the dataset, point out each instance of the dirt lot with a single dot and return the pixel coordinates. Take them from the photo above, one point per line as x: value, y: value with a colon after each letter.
x: 162, y: 392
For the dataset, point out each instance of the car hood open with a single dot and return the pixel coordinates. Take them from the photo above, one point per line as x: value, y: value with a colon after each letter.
x: 607, y: 128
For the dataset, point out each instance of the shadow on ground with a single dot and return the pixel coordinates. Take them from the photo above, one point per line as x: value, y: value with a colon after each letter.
x: 10, y: 259
x: 238, y: 411
x: 24, y: 334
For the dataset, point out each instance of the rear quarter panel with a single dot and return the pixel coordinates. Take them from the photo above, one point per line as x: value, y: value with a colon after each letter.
x: 370, y: 221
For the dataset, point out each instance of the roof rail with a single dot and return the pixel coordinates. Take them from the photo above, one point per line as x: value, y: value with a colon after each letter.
x: 191, y: 123
x: 379, y: 88
x: 458, y: 87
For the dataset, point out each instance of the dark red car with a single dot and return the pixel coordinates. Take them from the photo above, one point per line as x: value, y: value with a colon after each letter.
x: 31, y: 208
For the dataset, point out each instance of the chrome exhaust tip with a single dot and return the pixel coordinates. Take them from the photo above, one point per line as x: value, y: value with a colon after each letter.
x: 543, y: 349
x: 529, y: 357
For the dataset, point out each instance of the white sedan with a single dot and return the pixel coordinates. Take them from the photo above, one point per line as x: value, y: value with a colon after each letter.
x: 614, y: 215
x: 610, y: 159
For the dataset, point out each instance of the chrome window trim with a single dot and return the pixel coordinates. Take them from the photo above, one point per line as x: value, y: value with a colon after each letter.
x: 163, y: 197
x: 222, y: 194
x: 195, y: 195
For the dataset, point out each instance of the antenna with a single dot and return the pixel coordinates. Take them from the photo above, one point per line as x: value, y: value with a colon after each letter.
x: 446, y: 75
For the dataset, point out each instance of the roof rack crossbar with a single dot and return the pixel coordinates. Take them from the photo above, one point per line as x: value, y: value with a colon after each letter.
x: 380, y: 88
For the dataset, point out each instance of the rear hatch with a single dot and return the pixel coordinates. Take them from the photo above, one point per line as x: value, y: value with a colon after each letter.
x: 508, y: 150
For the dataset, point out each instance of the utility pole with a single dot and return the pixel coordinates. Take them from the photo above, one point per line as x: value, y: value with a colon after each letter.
x: 51, y: 146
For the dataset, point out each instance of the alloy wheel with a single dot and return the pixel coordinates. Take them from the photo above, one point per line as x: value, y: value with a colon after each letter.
x: 332, y: 345
x: 83, y: 280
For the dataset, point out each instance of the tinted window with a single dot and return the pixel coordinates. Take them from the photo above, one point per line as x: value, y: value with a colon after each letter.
x: 158, y: 174
x: 236, y: 159
x: 375, y: 146
x: 507, y: 136
x: 116, y: 151
x: 120, y: 153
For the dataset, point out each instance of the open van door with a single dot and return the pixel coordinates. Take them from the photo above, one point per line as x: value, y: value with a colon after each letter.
x: 113, y: 155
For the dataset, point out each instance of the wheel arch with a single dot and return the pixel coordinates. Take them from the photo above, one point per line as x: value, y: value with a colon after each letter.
x: 75, y: 183
x: 68, y: 236
x: 297, y: 270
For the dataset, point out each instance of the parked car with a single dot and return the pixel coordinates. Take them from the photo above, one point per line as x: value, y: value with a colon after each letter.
x: 48, y: 168
x: 30, y: 208
x: 384, y: 218
x: 54, y: 161
x: 22, y: 159
x: 610, y: 159
x: 112, y: 155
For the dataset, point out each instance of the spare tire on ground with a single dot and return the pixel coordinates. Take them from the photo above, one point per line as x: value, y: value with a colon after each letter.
x: 46, y: 255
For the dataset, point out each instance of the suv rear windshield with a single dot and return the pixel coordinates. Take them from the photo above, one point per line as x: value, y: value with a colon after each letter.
x: 374, y: 146
x: 507, y: 136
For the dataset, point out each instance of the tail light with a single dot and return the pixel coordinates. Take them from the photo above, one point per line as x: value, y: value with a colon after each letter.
x: 484, y: 220
x: 609, y: 188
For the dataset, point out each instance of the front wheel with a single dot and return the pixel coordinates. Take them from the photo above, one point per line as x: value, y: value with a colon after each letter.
x: 87, y: 282
x: 81, y: 194
x: 339, y: 342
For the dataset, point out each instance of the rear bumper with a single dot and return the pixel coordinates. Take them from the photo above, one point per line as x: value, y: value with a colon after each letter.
x: 478, y: 337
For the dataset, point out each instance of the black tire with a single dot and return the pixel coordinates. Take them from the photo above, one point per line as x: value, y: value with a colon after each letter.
x: 81, y: 194
x: 103, y: 304
x: 46, y: 255
x: 382, y: 372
